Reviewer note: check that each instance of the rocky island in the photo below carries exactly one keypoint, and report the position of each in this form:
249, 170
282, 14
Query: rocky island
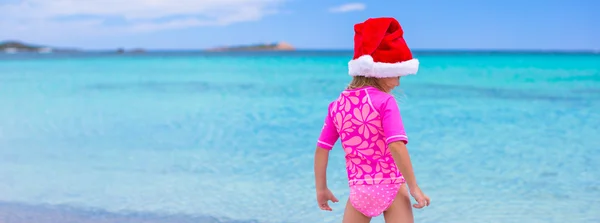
20, 47
279, 46
14, 46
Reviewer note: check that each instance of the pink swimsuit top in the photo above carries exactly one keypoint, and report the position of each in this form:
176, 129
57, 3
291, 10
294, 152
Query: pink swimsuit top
366, 120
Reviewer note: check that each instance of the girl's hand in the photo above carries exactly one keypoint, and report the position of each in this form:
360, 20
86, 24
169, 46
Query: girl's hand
420, 197
323, 197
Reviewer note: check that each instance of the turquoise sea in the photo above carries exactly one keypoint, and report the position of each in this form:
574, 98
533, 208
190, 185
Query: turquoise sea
230, 137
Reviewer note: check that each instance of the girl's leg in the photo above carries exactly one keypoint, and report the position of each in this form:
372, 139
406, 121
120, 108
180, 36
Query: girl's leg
351, 215
400, 211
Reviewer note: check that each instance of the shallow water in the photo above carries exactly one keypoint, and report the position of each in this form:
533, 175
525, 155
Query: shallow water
493, 137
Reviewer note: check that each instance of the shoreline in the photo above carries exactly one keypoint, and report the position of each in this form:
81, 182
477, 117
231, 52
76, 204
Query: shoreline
11, 212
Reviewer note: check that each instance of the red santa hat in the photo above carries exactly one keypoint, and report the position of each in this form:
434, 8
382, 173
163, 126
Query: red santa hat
380, 50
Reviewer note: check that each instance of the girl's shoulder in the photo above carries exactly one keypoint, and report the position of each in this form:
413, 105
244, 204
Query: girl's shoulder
380, 99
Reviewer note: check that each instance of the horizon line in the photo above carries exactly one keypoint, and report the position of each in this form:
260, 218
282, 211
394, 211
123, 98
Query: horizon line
416, 49
347, 50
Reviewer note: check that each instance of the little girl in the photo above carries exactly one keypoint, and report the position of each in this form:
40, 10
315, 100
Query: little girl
367, 120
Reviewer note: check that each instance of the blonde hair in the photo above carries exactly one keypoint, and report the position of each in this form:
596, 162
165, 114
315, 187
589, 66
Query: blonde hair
361, 81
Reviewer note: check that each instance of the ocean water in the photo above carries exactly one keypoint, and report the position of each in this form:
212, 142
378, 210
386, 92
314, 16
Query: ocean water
230, 137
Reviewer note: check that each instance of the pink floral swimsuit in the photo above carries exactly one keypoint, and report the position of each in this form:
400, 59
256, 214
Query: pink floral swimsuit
366, 120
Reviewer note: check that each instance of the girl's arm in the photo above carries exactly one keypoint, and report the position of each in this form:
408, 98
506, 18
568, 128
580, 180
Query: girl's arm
325, 143
321, 159
396, 139
324, 195
329, 135
402, 160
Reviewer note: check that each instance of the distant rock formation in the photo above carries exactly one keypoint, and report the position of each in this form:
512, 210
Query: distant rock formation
15, 47
279, 46
135, 50
138, 50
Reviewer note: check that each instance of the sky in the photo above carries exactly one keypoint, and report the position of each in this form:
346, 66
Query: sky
306, 24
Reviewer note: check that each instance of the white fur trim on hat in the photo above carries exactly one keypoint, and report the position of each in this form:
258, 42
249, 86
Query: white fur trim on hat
365, 66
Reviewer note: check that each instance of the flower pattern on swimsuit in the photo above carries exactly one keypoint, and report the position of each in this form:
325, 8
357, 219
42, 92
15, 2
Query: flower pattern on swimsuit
358, 123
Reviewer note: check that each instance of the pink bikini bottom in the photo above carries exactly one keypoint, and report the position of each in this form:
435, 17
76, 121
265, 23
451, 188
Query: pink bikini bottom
372, 200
